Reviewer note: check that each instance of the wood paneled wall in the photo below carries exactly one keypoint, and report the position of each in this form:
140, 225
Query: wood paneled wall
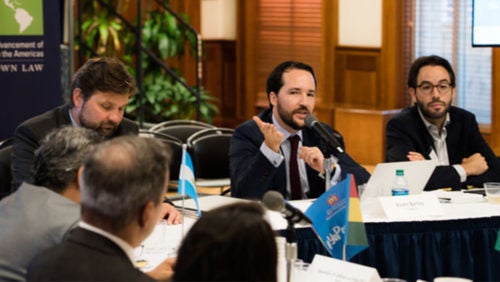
357, 86
361, 130
357, 77
219, 78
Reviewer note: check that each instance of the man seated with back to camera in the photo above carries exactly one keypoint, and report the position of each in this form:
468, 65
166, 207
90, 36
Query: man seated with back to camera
123, 184
237, 239
434, 129
50, 207
260, 148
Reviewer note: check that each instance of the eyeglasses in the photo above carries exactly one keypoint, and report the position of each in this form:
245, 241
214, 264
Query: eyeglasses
427, 88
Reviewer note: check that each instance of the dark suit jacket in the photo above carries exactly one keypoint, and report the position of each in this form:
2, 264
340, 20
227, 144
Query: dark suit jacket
30, 133
252, 174
84, 256
406, 132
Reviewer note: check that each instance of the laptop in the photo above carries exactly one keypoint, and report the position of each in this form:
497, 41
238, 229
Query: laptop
417, 173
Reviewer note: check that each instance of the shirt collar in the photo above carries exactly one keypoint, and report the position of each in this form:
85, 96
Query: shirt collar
129, 250
429, 125
73, 122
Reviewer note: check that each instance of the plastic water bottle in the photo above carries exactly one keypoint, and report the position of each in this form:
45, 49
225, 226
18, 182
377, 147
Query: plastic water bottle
400, 185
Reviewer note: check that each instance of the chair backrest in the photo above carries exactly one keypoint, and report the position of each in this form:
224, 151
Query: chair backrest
6, 142
180, 128
5, 170
176, 147
177, 122
210, 152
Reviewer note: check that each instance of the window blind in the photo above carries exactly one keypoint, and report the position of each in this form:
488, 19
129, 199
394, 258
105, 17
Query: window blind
443, 27
287, 30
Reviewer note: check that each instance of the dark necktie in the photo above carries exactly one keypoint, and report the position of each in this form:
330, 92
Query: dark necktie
294, 168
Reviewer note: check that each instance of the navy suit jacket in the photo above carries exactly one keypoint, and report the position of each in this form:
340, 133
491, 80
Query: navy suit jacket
31, 132
252, 174
84, 256
407, 132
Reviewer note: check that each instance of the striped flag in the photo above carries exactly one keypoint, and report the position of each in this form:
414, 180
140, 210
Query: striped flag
187, 184
337, 220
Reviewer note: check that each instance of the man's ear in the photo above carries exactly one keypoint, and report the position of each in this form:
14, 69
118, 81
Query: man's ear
147, 214
77, 97
413, 95
78, 179
273, 98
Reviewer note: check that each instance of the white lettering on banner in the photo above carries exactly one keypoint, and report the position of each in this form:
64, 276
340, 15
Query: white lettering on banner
335, 236
14, 56
32, 67
8, 68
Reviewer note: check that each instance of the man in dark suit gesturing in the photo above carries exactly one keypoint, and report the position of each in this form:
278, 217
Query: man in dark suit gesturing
99, 92
261, 155
434, 129
123, 183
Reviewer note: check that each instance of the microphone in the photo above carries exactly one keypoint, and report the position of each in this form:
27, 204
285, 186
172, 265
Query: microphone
274, 201
328, 137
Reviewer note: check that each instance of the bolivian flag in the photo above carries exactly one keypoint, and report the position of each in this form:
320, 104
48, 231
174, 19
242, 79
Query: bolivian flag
337, 220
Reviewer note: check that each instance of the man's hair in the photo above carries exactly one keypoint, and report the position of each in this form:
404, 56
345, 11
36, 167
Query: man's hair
62, 153
236, 238
431, 60
104, 74
275, 78
121, 177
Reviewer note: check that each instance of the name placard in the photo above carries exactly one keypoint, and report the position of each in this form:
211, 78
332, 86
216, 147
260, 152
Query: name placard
411, 206
328, 269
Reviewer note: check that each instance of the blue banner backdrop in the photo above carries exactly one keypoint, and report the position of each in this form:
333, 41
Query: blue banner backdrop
30, 60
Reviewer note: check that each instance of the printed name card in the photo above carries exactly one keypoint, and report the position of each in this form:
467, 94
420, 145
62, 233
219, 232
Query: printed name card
327, 269
411, 207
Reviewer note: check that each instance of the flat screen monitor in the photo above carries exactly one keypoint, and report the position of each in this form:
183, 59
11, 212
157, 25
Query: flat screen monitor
485, 23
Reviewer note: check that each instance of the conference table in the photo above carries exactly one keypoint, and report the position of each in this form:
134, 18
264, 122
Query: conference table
458, 243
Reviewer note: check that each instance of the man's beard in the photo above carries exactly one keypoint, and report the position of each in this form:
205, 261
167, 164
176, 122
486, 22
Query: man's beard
426, 112
102, 128
287, 118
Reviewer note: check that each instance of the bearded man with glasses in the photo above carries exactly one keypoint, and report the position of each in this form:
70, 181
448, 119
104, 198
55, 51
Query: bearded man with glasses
435, 129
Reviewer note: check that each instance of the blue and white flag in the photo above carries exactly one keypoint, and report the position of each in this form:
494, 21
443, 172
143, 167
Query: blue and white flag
187, 184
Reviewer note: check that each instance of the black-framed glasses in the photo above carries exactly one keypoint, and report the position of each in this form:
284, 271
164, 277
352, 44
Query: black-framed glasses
426, 88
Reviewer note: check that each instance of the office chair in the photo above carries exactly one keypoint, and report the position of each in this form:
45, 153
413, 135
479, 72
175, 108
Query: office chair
181, 129
176, 147
209, 150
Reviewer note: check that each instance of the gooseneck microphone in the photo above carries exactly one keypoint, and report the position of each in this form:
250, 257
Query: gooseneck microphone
327, 136
274, 201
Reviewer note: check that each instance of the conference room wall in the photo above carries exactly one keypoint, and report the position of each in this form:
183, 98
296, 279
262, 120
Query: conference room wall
352, 78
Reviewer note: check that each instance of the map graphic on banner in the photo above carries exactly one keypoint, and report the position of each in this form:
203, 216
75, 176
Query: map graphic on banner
21, 17
30, 60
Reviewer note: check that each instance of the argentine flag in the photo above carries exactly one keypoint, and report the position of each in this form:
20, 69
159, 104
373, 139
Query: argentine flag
187, 184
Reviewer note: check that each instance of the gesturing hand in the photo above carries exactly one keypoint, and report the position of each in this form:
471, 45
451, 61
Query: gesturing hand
272, 136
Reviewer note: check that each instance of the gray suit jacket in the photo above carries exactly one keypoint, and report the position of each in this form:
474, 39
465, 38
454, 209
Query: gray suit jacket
84, 256
32, 220
30, 133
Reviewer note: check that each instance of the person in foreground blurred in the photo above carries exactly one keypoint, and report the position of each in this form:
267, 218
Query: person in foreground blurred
229, 243
261, 157
122, 187
434, 129
99, 92
38, 216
